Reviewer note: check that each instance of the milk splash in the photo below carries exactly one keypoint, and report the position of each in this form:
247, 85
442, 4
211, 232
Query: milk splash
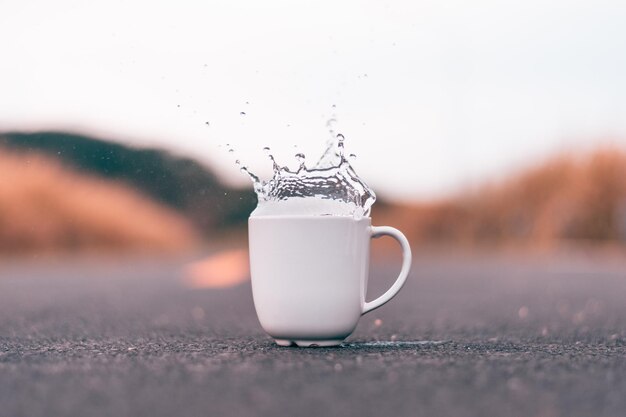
330, 187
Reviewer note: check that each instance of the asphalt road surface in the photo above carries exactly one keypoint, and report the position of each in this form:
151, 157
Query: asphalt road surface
481, 335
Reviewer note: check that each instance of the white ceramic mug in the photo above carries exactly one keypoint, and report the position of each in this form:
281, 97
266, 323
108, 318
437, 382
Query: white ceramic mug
309, 275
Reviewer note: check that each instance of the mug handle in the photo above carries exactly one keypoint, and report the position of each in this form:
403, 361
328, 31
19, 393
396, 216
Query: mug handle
377, 232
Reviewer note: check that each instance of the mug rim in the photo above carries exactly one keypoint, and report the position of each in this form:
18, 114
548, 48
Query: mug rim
310, 216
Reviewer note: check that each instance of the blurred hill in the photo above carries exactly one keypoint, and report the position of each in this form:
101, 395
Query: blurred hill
66, 191
573, 198
46, 207
180, 183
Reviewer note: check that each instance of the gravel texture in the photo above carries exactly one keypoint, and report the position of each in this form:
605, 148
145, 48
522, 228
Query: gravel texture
480, 335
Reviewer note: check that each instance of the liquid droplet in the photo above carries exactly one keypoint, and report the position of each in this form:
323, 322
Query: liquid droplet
271, 157
207, 123
330, 124
340, 140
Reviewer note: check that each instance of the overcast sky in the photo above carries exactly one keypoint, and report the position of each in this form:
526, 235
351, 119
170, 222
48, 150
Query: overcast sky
431, 95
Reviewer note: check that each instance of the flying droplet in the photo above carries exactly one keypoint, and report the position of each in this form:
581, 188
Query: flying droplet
231, 150
266, 149
340, 140
300, 157
334, 106
352, 156
242, 113
237, 161
207, 123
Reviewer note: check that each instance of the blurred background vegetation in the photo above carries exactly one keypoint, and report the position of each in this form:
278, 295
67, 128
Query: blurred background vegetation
63, 192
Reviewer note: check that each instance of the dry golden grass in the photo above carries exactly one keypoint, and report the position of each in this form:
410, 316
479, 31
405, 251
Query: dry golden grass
570, 198
45, 207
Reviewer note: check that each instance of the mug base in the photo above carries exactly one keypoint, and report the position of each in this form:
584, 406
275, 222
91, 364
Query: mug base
309, 343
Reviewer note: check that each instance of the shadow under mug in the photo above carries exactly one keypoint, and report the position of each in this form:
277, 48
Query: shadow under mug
309, 275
